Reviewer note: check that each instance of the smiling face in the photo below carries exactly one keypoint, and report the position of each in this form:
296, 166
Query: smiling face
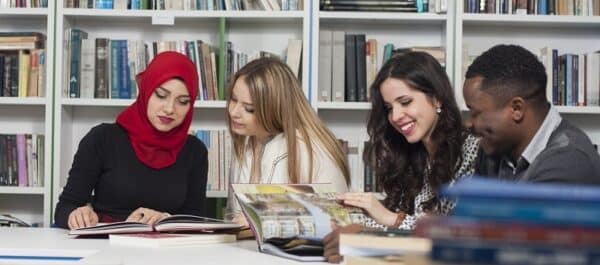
487, 120
411, 112
241, 112
168, 105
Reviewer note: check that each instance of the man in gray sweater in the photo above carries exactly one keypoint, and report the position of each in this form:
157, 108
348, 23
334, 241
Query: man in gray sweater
523, 137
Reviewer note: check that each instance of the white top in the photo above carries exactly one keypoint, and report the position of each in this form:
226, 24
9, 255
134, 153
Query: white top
274, 164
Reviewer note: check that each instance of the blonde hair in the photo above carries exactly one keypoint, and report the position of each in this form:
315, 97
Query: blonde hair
281, 107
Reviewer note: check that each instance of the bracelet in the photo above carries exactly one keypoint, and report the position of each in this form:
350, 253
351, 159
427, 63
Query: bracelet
399, 219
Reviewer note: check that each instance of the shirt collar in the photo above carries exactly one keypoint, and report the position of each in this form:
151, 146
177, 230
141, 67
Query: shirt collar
541, 137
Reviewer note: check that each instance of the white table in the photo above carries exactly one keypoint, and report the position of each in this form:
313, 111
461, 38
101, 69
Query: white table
99, 251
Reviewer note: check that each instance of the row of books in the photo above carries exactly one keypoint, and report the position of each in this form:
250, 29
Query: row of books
361, 62
219, 145
23, 3
419, 6
268, 5
497, 222
105, 68
22, 64
573, 79
537, 7
22, 73
22, 160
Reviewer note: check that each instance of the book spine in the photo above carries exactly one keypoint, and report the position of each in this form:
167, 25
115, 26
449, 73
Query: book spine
3, 162
101, 69
114, 68
540, 212
325, 58
124, 88
555, 82
22, 160
456, 228
361, 68
338, 82
350, 92
480, 253
77, 36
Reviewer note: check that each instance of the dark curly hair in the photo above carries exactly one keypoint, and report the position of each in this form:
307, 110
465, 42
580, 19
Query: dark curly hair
400, 166
510, 71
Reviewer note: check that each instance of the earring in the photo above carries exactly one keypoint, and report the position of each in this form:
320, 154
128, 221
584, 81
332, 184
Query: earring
438, 110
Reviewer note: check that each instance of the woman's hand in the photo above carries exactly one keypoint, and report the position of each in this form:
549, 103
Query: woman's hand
83, 216
146, 216
331, 242
240, 220
368, 202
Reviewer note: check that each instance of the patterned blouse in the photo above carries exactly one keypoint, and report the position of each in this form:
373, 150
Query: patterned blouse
469, 155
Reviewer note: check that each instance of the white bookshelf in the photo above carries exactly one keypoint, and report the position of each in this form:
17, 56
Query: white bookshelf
249, 31
574, 34
348, 120
30, 115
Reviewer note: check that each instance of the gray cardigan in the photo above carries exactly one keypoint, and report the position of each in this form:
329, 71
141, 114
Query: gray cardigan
568, 157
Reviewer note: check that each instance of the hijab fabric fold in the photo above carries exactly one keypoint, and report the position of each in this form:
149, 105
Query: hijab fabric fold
154, 148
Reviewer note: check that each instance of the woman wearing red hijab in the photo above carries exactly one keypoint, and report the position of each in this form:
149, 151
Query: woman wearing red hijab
145, 166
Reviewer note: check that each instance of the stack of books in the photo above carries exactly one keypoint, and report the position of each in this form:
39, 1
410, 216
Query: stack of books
498, 222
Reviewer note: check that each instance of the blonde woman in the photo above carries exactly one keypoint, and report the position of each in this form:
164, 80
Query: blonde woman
277, 137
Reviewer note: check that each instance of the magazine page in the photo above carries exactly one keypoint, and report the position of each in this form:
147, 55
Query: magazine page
286, 211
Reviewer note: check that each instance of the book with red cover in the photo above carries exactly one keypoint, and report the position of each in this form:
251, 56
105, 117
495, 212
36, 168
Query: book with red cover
457, 228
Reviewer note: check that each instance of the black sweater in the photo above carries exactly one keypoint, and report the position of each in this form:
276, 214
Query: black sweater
106, 164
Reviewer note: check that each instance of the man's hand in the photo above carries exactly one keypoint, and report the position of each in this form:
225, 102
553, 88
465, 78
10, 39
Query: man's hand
331, 242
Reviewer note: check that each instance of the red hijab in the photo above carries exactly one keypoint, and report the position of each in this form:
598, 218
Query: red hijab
154, 148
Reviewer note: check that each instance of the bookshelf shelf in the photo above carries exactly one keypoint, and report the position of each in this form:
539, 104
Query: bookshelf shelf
344, 106
146, 15
531, 20
22, 101
97, 102
29, 12
382, 17
22, 190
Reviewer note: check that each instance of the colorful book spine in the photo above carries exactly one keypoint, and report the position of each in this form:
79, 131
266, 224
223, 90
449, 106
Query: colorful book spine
530, 211
22, 160
453, 251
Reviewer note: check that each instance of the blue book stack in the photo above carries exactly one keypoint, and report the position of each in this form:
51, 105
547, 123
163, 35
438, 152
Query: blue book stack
535, 210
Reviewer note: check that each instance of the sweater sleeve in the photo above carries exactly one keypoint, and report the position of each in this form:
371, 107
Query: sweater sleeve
196, 193
84, 173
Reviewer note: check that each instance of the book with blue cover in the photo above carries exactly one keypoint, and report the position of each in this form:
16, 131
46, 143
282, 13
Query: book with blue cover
478, 187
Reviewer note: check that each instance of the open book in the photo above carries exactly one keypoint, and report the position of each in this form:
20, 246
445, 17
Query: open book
291, 220
173, 223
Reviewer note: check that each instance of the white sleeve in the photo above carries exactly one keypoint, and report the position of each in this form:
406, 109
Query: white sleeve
325, 170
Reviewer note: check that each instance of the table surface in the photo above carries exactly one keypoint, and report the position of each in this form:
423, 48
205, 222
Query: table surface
37, 241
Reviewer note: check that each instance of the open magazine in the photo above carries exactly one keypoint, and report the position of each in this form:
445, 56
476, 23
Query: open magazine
291, 220
173, 223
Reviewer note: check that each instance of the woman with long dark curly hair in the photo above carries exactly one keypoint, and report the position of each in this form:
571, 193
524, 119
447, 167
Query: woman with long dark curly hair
417, 144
